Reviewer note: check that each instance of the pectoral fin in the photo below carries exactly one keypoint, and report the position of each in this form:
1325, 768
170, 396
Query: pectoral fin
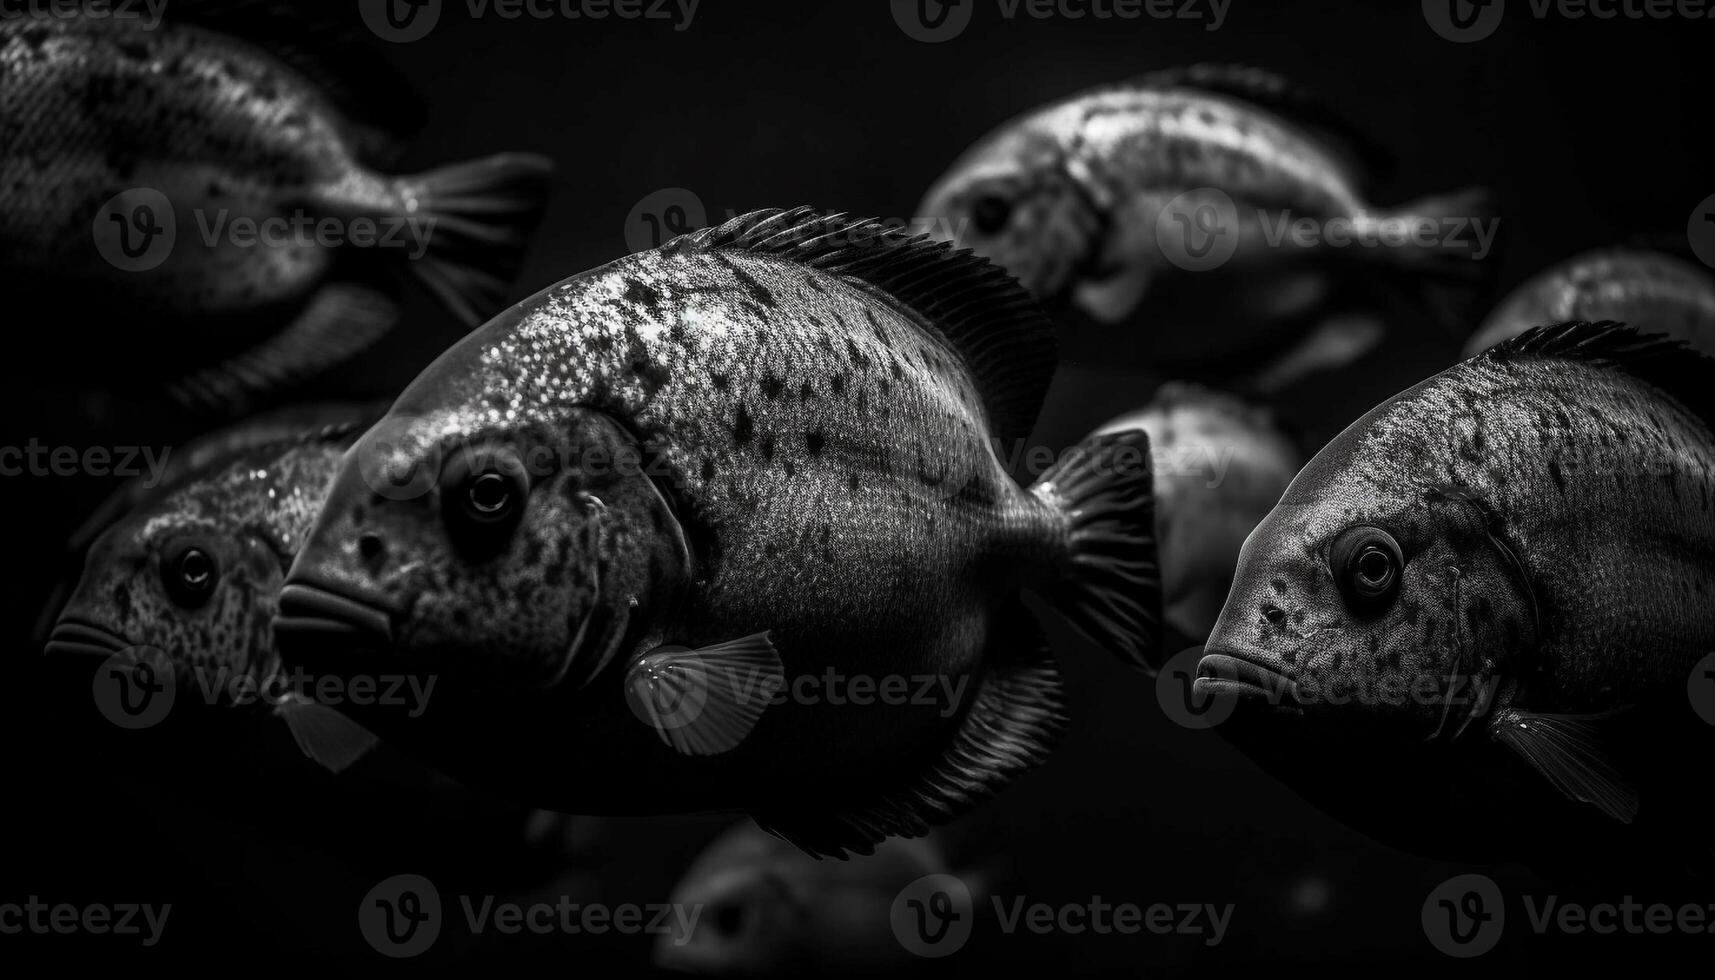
1111, 300
325, 735
704, 702
1568, 750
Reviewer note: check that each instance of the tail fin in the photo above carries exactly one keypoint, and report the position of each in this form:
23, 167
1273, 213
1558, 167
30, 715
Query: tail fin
1110, 586
482, 214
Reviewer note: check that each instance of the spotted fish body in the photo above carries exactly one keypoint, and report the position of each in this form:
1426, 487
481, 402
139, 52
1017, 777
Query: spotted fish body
1653, 292
817, 427
247, 508
1072, 198
186, 130
1529, 534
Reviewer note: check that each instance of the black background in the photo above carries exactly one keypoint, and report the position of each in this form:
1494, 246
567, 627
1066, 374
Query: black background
1585, 129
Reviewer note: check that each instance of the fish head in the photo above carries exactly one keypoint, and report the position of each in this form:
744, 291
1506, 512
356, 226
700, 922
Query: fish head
1373, 593
752, 919
511, 549
1013, 200
191, 580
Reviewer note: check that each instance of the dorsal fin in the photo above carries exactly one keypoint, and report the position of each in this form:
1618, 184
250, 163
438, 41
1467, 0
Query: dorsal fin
1671, 365
1006, 341
327, 44
1298, 103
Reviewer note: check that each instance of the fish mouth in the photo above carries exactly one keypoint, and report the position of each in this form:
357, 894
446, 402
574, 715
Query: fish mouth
80, 637
1245, 677
326, 610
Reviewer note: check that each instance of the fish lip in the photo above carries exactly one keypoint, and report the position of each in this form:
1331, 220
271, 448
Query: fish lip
1235, 673
321, 608
80, 637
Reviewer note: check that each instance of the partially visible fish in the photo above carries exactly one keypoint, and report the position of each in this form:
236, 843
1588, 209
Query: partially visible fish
763, 452
189, 571
1650, 291
1081, 199
1220, 466
198, 126
767, 909
1503, 573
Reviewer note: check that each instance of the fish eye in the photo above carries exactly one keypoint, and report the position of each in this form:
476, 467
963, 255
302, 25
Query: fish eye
484, 494
190, 575
990, 213
1367, 564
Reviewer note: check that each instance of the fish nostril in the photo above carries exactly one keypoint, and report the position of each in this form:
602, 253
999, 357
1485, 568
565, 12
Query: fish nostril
371, 548
1273, 613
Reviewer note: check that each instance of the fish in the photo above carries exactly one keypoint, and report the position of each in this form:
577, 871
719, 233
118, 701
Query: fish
1646, 289
1499, 576
172, 144
1080, 199
766, 909
187, 572
1221, 464
702, 487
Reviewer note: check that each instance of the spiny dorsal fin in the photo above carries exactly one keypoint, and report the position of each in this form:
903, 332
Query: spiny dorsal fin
1006, 341
1277, 93
1671, 365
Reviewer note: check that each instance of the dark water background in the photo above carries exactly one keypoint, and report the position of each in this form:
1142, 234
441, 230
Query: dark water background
1585, 129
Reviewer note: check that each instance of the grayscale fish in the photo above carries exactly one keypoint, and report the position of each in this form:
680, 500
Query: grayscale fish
700, 487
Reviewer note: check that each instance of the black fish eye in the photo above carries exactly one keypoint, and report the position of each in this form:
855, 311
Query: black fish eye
1367, 564
190, 576
489, 496
990, 213
484, 493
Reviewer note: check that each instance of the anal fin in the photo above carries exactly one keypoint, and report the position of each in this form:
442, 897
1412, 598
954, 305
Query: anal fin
1011, 727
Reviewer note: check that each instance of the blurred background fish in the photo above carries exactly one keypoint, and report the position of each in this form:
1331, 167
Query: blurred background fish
1221, 465
1099, 202
767, 909
215, 187
1652, 291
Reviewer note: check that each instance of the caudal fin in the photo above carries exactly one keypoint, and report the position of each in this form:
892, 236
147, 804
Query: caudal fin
1110, 583
478, 220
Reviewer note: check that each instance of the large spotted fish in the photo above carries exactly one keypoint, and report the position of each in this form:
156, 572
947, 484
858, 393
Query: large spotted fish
1096, 201
184, 576
207, 187
757, 459
1650, 291
1507, 569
